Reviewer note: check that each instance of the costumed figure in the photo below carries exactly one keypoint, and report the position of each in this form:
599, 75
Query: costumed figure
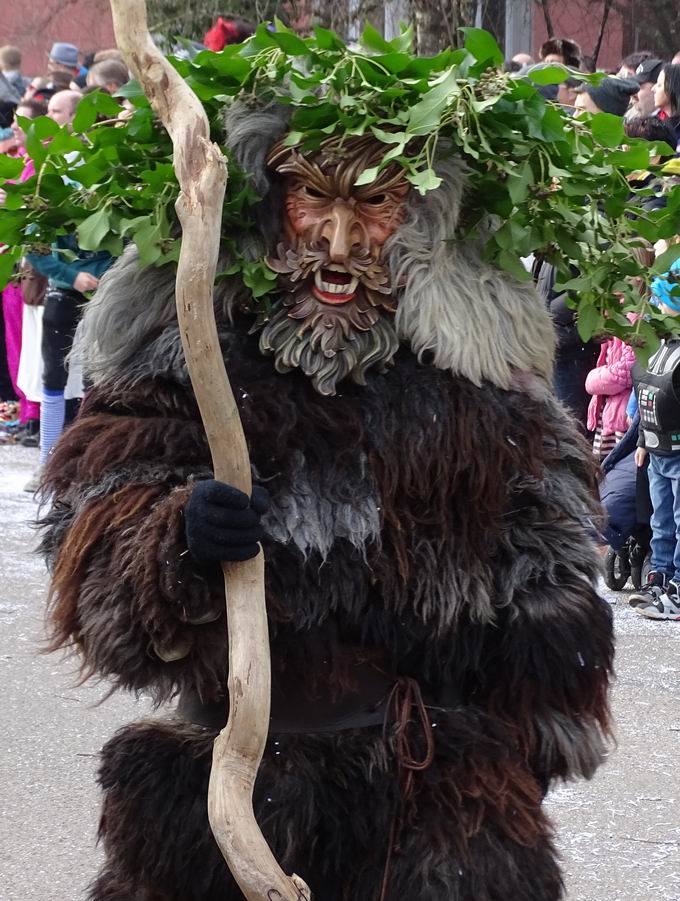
424, 505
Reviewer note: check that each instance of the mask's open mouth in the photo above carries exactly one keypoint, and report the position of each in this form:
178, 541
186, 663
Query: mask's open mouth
333, 284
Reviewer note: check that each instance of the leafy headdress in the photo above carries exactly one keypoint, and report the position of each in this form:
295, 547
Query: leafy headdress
537, 180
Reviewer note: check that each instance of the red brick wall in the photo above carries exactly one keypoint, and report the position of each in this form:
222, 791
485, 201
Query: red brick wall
34, 25
580, 21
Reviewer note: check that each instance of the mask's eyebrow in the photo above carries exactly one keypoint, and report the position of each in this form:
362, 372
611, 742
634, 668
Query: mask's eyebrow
305, 172
388, 182
321, 183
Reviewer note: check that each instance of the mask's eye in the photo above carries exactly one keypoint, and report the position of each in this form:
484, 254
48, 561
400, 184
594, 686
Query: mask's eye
313, 193
376, 199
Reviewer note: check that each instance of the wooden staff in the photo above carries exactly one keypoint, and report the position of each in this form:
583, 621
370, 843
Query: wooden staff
202, 175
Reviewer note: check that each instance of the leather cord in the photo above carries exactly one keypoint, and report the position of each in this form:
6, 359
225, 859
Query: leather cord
404, 699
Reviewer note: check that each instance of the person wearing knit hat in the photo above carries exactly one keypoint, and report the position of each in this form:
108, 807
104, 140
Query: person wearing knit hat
611, 95
63, 58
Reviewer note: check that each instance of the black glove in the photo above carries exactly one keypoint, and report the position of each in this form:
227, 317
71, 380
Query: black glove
222, 524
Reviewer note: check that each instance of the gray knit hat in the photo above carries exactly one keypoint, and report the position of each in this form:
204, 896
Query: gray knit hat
64, 54
612, 95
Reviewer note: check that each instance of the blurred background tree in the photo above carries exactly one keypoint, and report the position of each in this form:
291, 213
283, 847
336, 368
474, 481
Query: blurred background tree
192, 20
436, 22
650, 26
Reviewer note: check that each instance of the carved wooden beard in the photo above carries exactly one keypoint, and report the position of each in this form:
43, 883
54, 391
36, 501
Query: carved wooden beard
335, 321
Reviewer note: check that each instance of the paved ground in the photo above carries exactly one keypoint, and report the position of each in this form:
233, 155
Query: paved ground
619, 835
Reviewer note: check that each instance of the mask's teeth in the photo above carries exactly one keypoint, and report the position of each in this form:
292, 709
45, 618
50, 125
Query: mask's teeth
347, 289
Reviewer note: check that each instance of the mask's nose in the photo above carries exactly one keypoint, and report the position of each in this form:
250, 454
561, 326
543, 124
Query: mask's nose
344, 232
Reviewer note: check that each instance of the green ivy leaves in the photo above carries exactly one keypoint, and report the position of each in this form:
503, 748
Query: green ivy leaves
483, 46
92, 231
10, 167
553, 185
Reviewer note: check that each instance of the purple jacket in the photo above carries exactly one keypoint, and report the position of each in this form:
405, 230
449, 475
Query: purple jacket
610, 383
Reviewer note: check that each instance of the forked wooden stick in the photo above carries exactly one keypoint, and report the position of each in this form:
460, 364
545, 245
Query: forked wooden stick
202, 174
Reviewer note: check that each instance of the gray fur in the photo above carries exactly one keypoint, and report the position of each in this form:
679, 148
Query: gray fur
313, 521
143, 473
446, 588
132, 304
162, 357
250, 135
153, 348
578, 742
476, 321
80, 495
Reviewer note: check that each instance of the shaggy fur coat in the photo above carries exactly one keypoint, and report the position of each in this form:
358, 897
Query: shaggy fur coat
431, 528
439, 523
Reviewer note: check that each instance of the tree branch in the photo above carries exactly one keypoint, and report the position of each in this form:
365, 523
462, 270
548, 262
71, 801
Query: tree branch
546, 15
202, 175
600, 36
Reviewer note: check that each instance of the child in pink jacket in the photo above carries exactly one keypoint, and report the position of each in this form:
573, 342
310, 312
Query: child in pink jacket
609, 383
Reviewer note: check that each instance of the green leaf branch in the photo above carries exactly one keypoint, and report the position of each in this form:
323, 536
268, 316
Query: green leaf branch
539, 181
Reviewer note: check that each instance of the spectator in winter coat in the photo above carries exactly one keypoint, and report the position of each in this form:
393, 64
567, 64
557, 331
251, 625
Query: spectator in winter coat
10, 66
667, 97
13, 310
227, 30
561, 51
8, 101
69, 279
574, 358
563, 93
658, 444
518, 62
630, 65
652, 129
618, 489
71, 275
63, 59
609, 383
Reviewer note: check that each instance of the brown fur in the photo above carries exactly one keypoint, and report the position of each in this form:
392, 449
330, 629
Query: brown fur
103, 441
473, 577
475, 813
103, 516
468, 458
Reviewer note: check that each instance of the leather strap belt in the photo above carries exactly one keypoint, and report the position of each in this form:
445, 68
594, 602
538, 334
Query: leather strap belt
294, 711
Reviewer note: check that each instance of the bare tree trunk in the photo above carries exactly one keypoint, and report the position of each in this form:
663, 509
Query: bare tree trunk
628, 19
202, 175
436, 23
544, 4
600, 36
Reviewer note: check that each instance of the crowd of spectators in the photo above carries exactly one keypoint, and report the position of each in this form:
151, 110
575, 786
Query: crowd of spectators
600, 382
42, 305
